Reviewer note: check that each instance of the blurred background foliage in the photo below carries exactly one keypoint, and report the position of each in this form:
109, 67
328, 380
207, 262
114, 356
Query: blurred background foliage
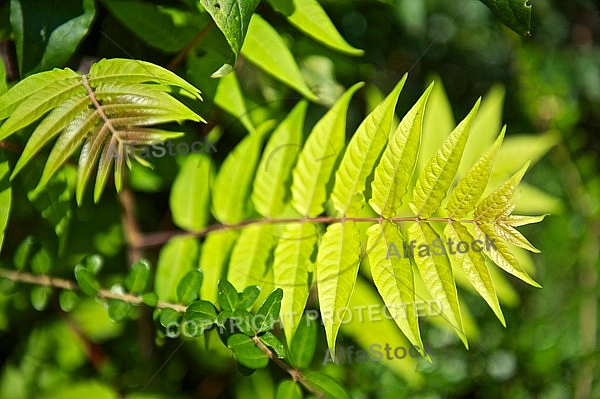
550, 82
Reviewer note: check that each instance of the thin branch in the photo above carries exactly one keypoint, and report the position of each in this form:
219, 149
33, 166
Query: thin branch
54, 282
174, 63
159, 238
10, 147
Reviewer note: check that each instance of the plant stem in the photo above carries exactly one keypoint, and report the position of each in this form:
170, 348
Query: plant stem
47, 281
159, 238
174, 63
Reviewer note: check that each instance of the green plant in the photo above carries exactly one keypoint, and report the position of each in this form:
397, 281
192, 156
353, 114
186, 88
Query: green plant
279, 211
250, 197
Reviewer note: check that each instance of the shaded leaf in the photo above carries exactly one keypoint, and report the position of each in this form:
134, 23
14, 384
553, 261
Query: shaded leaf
168, 316
232, 17
150, 299
248, 296
175, 260
149, 22
47, 36
309, 17
516, 14
68, 300
202, 313
118, 310
362, 152
230, 98
40, 296
86, 280
304, 342
265, 48
190, 193
326, 385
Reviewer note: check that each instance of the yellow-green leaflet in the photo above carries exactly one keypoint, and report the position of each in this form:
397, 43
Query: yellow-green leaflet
233, 182
362, 152
318, 158
398, 161
213, 261
502, 256
512, 235
264, 47
475, 268
337, 266
271, 185
175, 259
291, 267
437, 275
5, 199
436, 178
496, 204
487, 123
471, 187
394, 279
